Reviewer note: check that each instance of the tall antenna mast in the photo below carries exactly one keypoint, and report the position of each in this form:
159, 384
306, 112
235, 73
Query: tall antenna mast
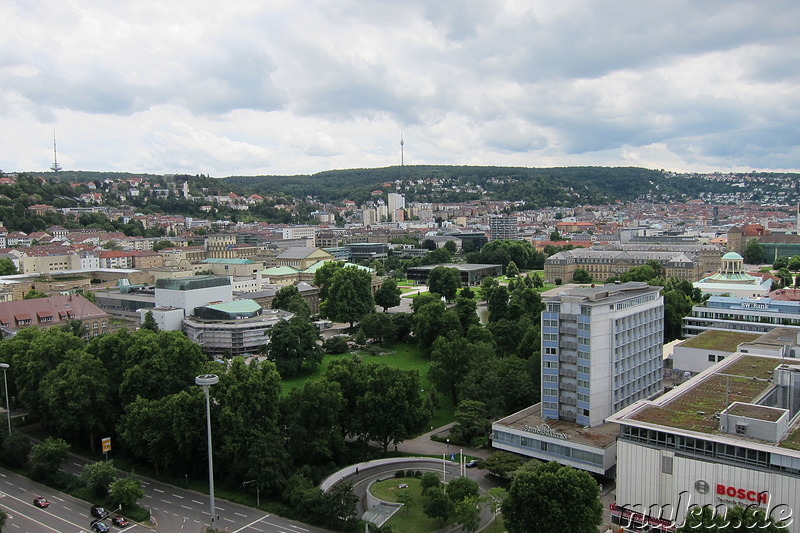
55, 167
401, 149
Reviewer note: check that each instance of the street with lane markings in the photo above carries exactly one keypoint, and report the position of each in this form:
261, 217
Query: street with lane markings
175, 510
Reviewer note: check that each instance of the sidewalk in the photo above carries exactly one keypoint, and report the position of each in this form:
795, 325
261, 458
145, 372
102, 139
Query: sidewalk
423, 445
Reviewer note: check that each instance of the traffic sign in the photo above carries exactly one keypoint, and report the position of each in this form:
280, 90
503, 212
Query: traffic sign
106, 444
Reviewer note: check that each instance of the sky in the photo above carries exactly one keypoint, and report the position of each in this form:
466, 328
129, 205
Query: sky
281, 87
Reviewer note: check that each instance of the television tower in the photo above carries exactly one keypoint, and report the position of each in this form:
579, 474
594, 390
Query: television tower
401, 149
55, 167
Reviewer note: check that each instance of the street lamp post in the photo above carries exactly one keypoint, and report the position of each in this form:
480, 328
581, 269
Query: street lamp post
258, 498
4, 366
205, 381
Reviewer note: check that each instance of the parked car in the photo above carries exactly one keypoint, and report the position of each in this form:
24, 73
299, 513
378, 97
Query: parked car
119, 521
473, 463
97, 511
99, 527
41, 502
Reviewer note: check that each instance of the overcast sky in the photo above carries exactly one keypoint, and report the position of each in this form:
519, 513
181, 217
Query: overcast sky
246, 87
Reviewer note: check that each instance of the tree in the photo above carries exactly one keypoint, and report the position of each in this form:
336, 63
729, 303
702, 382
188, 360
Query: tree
349, 296
7, 267
33, 294
98, 476
462, 488
378, 326
733, 520
428, 481
437, 505
581, 276
406, 499
502, 464
388, 295
437, 257
324, 276
47, 457
289, 299
468, 513
150, 322
16, 448
512, 271
471, 420
158, 364
126, 491
497, 303
553, 497
335, 345
433, 320
77, 396
445, 282
292, 344
311, 416
753, 252
450, 363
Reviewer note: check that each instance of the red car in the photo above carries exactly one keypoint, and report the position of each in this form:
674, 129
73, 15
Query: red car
41, 502
119, 521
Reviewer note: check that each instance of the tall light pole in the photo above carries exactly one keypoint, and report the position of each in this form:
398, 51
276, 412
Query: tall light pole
205, 381
4, 366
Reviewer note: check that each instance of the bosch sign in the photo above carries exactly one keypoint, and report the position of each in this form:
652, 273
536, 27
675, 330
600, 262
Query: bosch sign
743, 494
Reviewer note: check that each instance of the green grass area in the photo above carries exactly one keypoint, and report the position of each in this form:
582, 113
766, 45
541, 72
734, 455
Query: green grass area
406, 290
726, 341
397, 355
408, 519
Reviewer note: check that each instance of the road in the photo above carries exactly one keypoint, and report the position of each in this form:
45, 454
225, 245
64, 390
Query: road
65, 514
176, 510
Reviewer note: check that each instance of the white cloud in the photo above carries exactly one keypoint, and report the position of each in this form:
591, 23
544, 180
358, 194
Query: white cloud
284, 87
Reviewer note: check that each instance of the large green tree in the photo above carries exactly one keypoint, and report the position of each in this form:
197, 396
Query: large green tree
388, 295
77, 395
754, 252
289, 299
378, 326
553, 498
445, 282
47, 457
311, 418
293, 344
349, 296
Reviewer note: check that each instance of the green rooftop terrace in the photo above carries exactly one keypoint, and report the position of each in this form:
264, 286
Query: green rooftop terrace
694, 409
724, 341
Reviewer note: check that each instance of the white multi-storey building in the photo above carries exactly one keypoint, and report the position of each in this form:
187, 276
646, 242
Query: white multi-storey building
601, 351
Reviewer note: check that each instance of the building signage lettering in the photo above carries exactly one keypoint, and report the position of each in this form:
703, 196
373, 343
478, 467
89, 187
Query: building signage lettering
546, 431
755, 305
743, 494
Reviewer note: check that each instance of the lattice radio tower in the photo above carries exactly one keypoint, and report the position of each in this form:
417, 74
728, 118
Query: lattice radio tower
55, 167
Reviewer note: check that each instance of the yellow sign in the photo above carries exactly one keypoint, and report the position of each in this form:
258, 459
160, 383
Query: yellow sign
106, 444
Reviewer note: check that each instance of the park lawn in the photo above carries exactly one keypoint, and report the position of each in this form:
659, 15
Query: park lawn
496, 527
411, 519
406, 290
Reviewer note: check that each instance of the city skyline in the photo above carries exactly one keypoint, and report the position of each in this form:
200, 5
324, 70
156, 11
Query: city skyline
283, 88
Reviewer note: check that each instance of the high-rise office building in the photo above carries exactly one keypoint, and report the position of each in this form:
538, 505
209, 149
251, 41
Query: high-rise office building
502, 227
601, 350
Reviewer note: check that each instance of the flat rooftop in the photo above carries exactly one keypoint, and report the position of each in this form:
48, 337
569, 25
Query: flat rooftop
723, 341
692, 406
598, 436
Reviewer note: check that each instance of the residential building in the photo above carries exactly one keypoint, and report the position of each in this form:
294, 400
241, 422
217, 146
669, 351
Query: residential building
502, 227
50, 312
